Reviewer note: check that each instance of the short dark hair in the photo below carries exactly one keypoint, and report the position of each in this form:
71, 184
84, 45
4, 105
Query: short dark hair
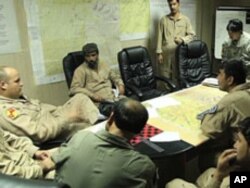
130, 115
235, 25
235, 68
89, 48
244, 128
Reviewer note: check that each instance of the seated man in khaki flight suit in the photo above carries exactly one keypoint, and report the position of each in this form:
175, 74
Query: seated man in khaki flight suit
39, 121
94, 78
219, 122
233, 159
19, 157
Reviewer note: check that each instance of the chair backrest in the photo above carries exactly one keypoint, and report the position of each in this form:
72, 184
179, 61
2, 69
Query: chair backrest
136, 67
70, 63
193, 63
7, 181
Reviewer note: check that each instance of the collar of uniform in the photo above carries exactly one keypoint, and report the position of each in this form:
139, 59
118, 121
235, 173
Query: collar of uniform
244, 39
171, 17
22, 99
244, 86
119, 141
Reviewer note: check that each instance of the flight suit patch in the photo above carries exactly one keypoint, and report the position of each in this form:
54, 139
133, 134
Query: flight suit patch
209, 111
12, 113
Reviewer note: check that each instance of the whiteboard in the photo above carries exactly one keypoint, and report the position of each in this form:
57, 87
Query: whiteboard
223, 15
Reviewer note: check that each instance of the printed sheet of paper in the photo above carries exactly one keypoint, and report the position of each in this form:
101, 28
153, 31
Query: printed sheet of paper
9, 33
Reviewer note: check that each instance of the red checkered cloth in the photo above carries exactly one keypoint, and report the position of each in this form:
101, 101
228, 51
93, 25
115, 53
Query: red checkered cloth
147, 132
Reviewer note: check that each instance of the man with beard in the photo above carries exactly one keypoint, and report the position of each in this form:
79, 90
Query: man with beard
94, 78
173, 29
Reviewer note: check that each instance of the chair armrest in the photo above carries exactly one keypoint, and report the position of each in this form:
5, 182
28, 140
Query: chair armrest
134, 90
171, 85
184, 84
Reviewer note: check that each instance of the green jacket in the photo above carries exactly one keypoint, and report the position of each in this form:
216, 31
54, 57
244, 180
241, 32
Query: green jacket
97, 160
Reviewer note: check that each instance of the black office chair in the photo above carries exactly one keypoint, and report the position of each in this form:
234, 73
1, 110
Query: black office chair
193, 63
7, 181
70, 63
137, 74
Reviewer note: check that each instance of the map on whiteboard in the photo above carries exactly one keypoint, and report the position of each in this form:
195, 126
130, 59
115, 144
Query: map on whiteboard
64, 28
135, 18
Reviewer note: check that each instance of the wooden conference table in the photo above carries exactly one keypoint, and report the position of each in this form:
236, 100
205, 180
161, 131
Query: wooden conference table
176, 112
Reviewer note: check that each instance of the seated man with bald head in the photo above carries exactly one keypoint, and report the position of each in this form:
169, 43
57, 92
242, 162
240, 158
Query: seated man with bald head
106, 158
39, 121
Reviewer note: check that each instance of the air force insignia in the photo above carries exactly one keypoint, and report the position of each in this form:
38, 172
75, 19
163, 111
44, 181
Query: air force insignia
209, 111
12, 113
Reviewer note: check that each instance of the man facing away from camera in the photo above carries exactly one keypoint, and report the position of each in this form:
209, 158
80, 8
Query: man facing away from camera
105, 158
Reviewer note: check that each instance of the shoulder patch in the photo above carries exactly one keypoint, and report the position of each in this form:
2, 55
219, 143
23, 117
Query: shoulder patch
12, 113
212, 110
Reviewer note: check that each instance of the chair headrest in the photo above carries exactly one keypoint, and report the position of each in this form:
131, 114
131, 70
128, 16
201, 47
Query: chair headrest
70, 63
77, 57
195, 49
135, 54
